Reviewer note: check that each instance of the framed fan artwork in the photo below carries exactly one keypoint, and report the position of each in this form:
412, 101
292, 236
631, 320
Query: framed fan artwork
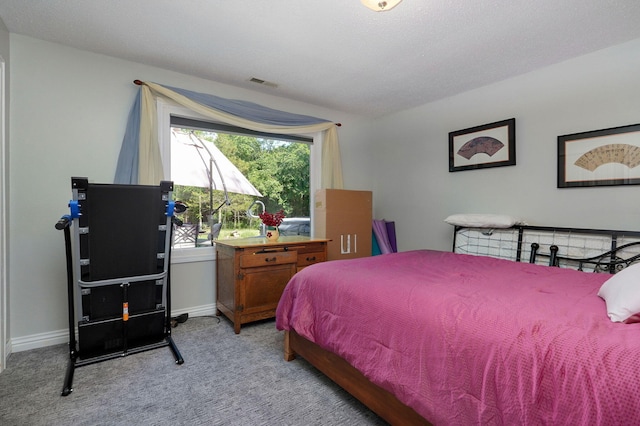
489, 145
605, 157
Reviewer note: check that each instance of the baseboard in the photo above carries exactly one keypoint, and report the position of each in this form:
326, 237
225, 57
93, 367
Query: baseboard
7, 352
39, 340
58, 337
196, 311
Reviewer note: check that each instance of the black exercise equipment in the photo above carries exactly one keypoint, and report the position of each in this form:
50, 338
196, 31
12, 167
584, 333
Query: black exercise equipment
118, 271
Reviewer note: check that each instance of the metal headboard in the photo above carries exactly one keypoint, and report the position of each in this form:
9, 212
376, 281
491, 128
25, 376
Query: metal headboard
593, 250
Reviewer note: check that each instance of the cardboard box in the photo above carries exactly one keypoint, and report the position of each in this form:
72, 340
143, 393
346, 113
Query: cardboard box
344, 217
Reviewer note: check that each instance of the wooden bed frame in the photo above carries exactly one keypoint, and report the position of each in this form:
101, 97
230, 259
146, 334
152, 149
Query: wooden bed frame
385, 404
353, 381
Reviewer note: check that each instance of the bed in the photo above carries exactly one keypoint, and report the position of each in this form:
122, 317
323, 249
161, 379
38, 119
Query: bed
479, 336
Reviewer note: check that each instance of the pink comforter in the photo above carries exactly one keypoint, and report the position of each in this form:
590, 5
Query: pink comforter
473, 340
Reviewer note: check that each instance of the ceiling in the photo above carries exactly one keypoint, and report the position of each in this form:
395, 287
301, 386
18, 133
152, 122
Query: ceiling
335, 53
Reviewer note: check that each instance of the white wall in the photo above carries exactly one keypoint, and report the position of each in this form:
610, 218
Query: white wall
68, 119
414, 187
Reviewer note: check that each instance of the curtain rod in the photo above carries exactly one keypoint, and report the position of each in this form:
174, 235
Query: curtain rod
140, 83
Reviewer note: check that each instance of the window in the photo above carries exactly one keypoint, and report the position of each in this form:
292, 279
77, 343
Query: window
279, 167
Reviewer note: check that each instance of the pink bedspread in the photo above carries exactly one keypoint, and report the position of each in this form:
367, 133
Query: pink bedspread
473, 340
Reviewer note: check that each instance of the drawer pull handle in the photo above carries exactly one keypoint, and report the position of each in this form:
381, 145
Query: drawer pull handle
311, 259
272, 259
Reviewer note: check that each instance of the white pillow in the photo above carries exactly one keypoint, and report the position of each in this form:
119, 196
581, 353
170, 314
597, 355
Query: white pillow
483, 220
621, 293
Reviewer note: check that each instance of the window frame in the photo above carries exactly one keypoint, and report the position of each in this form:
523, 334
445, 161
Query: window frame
166, 110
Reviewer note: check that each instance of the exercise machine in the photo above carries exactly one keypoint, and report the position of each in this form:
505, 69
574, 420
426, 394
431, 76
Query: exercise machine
118, 271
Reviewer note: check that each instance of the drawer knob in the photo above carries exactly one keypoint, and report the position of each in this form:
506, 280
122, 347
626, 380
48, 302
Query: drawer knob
311, 259
270, 259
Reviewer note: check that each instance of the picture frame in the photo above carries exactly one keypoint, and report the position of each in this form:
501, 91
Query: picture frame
480, 147
607, 157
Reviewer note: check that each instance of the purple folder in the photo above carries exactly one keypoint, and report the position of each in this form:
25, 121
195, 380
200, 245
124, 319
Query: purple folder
380, 231
391, 233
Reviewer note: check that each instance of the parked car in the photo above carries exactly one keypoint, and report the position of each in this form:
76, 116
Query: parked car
295, 226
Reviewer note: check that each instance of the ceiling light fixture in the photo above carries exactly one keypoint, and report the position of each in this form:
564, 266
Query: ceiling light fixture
380, 5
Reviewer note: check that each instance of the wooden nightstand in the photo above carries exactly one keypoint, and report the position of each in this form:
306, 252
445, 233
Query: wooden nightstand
251, 274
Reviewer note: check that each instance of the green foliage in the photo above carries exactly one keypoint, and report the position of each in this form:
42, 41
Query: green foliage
278, 169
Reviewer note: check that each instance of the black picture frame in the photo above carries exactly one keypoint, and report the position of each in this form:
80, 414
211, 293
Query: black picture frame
607, 157
481, 147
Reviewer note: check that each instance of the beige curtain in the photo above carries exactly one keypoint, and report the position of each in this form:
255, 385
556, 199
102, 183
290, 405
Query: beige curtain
150, 161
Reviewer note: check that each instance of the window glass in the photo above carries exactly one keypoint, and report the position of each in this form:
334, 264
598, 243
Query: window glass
258, 171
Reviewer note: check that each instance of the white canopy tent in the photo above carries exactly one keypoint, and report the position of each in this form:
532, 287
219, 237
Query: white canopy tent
195, 162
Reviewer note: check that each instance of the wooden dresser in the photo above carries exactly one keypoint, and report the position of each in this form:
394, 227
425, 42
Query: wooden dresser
251, 274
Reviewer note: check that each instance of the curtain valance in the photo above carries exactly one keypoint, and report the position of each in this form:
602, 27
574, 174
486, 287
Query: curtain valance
140, 160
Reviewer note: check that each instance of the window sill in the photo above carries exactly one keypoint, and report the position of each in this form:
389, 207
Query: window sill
189, 255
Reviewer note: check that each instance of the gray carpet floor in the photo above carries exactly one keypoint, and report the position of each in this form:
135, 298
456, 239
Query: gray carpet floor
227, 379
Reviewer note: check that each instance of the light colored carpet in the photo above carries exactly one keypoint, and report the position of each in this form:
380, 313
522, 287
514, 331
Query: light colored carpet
227, 379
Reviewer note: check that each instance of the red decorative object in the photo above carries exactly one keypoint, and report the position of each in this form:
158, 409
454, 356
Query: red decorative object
272, 219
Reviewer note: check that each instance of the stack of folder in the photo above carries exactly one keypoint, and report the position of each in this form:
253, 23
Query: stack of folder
383, 237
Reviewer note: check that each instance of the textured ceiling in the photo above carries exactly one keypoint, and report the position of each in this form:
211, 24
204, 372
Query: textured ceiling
335, 53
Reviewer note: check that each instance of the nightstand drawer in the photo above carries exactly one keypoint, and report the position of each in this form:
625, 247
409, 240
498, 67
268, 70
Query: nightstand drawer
306, 259
255, 260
